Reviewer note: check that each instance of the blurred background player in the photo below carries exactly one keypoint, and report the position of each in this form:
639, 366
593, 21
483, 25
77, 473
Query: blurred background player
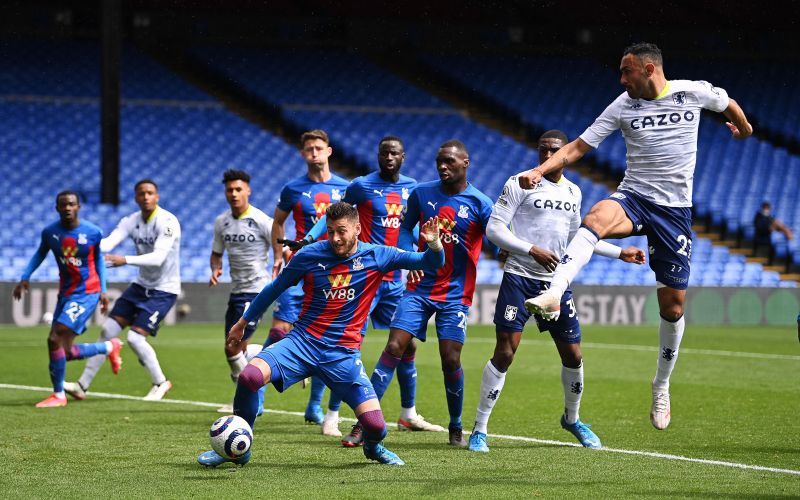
659, 120
535, 227
381, 199
244, 231
764, 223
463, 213
156, 234
306, 198
340, 277
76, 247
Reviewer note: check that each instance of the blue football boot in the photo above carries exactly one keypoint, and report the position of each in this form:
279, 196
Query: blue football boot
477, 442
213, 459
584, 434
314, 414
379, 453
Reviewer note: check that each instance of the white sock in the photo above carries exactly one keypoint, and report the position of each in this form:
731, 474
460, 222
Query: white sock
61, 394
572, 380
669, 336
253, 350
332, 415
147, 356
491, 385
237, 362
408, 413
111, 329
577, 255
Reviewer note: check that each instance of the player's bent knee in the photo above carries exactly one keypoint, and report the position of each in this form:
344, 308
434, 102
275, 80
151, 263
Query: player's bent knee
672, 313
252, 378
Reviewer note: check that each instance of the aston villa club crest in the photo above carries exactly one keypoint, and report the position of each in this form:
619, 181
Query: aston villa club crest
357, 264
511, 313
679, 98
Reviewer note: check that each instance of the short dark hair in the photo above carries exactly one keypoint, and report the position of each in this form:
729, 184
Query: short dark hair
342, 210
644, 50
766, 204
314, 134
67, 193
390, 138
455, 143
145, 181
235, 175
555, 134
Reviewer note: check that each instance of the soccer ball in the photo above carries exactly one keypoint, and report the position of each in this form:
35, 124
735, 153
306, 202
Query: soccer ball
231, 436
47, 318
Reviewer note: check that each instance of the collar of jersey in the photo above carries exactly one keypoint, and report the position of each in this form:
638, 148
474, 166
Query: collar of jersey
560, 181
664, 92
152, 216
245, 213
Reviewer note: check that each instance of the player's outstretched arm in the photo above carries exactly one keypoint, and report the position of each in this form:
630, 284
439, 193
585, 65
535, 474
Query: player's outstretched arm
738, 124
570, 153
431, 258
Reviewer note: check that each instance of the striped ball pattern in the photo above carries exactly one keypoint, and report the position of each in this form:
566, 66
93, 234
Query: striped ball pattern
231, 436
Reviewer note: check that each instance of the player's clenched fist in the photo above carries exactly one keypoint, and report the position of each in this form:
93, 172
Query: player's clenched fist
633, 255
530, 179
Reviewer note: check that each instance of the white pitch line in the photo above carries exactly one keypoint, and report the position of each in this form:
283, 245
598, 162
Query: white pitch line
649, 454
480, 340
645, 348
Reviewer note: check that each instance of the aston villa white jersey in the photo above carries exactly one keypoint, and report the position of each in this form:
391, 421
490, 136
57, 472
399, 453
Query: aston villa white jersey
547, 216
661, 138
248, 242
161, 231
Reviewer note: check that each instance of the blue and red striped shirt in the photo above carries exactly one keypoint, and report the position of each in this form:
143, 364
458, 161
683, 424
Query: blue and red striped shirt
338, 292
462, 223
307, 200
77, 252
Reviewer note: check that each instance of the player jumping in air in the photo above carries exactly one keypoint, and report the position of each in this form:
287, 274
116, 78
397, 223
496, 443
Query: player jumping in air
463, 213
156, 234
244, 232
659, 120
381, 199
339, 277
76, 247
306, 198
541, 221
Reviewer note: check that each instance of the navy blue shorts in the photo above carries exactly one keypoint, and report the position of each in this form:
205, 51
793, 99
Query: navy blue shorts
669, 236
413, 312
237, 305
289, 304
144, 307
384, 304
298, 356
510, 314
76, 310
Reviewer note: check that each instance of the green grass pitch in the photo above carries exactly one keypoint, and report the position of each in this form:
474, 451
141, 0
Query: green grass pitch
735, 399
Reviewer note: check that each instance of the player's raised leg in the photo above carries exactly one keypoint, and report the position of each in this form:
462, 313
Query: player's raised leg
111, 329
606, 219
670, 333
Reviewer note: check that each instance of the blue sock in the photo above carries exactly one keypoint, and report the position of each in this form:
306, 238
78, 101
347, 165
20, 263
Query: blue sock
454, 388
383, 373
407, 378
245, 403
317, 390
334, 402
58, 368
80, 351
261, 401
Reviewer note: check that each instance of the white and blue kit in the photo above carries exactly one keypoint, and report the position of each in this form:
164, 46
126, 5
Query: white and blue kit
656, 192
